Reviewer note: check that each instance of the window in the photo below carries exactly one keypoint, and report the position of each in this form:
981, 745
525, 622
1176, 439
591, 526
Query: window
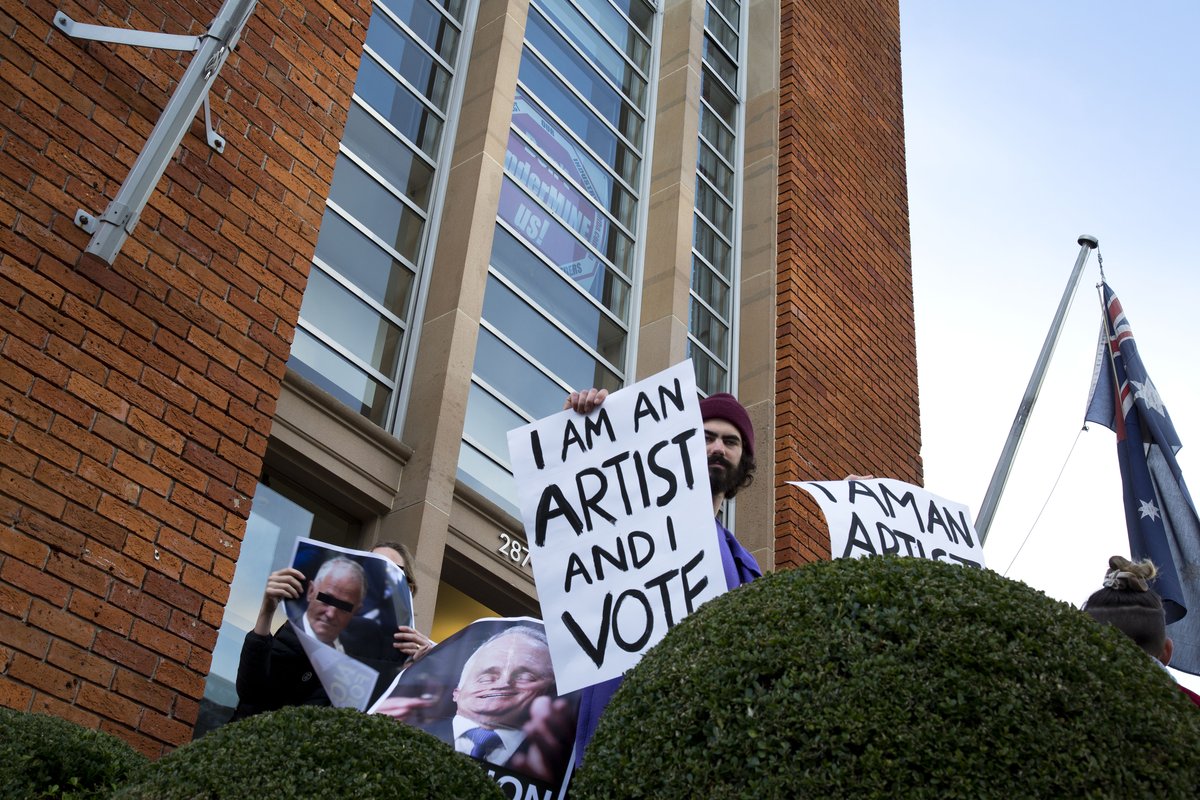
718, 180
354, 332
557, 308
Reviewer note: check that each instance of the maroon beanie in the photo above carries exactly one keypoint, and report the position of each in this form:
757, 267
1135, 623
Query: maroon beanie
723, 405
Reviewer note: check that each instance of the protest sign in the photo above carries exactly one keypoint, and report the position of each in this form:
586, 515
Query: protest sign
618, 511
882, 516
489, 677
351, 606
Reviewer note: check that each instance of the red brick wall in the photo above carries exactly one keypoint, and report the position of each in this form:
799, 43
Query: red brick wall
846, 380
136, 399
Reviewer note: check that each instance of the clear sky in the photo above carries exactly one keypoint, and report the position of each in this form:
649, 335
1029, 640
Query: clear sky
1028, 123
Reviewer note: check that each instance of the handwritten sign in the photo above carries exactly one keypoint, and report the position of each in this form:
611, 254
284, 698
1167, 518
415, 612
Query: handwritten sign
882, 516
618, 512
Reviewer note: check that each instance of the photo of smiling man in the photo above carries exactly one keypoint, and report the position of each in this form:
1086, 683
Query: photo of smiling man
489, 692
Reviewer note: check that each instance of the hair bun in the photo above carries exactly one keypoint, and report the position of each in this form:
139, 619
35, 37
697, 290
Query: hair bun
1129, 576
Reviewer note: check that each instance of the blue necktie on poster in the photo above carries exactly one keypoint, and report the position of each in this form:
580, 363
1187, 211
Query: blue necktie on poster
483, 741
1159, 513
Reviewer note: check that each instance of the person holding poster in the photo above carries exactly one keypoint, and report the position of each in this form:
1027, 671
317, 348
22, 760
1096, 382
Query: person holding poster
729, 448
274, 670
407, 640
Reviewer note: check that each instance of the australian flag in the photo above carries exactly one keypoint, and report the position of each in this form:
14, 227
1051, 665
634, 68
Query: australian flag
1159, 512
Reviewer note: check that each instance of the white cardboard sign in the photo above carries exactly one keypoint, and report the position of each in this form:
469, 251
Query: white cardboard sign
881, 516
618, 512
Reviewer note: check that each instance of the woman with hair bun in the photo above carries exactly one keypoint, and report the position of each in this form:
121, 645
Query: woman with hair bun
1127, 602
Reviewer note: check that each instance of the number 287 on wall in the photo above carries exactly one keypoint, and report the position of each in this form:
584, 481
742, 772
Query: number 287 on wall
514, 550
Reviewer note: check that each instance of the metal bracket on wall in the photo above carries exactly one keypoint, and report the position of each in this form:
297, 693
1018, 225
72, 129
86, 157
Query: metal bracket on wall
103, 33
110, 229
152, 39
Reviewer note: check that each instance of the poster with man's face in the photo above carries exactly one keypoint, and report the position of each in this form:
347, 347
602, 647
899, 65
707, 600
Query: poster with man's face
489, 691
346, 618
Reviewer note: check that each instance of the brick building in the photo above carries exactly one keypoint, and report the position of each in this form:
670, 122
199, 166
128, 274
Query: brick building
430, 219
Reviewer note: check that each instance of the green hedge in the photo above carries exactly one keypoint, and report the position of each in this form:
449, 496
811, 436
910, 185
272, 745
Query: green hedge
309, 752
44, 757
891, 677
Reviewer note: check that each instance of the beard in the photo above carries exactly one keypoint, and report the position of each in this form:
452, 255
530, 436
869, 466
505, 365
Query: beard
725, 478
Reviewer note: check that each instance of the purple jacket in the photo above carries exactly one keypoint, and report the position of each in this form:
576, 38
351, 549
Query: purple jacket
740, 568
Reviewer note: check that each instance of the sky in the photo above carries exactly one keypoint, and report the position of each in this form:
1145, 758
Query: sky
1028, 124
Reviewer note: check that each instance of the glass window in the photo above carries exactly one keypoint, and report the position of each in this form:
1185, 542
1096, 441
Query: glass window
606, 100
709, 287
395, 162
522, 383
708, 329
708, 243
549, 288
572, 207
557, 307
399, 106
429, 24
714, 237
489, 423
720, 100
714, 132
603, 55
543, 341
710, 376
487, 477
602, 139
731, 10
378, 273
382, 212
720, 63
560, 149
393, 44
546, 235
721, 30
453, 7
616, 25
374, 240
357, 327
345, 381
544, 230
714, 207
713, 167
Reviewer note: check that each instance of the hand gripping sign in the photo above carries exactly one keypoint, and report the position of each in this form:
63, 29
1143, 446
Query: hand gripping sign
881, 516
618, 512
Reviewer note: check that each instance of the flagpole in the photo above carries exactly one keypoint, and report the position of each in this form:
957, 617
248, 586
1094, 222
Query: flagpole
1000, 477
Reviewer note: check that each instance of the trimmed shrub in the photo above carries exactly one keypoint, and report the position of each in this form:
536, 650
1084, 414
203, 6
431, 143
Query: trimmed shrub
307, 751
893, 677
44, 757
